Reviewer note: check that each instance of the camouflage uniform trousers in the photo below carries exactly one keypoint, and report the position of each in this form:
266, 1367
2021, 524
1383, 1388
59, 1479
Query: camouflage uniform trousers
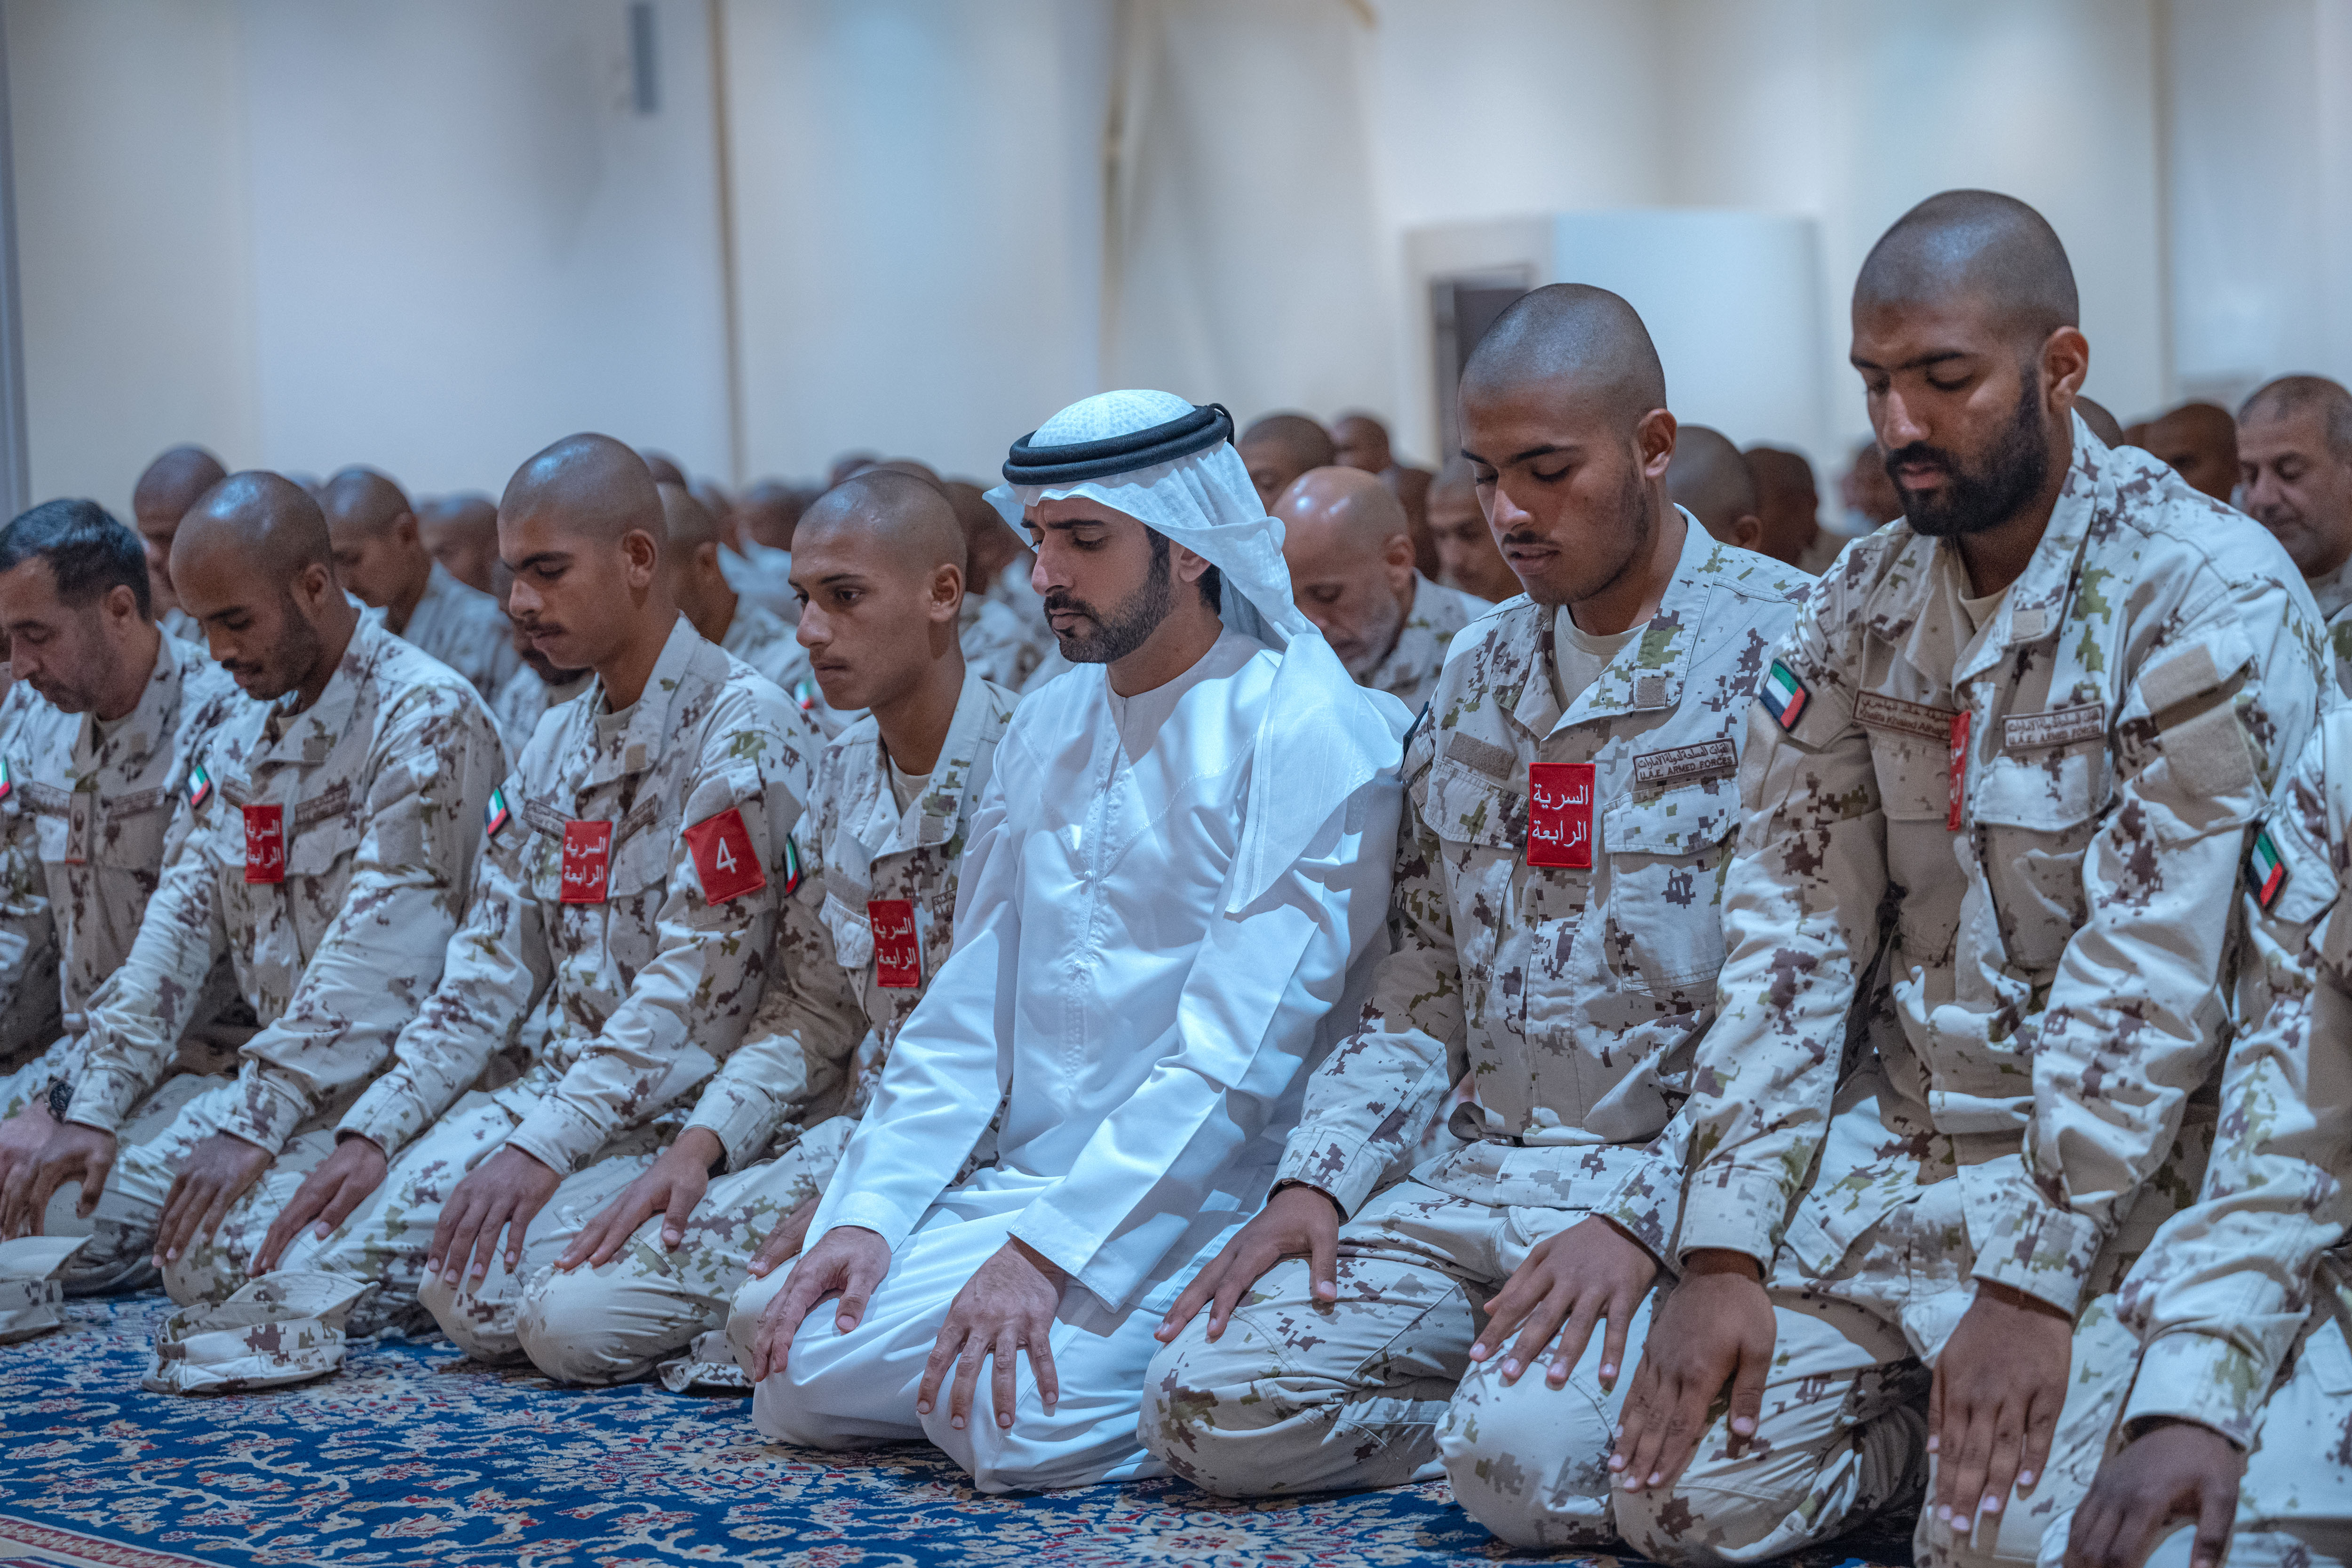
122, 1230
383, 1242
482, 1319
1843, 1436
1378, 1389
618, 1322
2295, 1507
148, 1119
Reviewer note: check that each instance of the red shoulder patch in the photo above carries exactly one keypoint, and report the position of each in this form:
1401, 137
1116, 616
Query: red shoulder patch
722, 847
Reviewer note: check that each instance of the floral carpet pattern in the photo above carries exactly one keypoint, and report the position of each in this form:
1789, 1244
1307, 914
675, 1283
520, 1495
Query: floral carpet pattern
415, 1455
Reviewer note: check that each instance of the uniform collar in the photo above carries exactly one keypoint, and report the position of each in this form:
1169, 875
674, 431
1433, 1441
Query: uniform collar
648, 731
931, 818
305, 739
1648, 672
159, 702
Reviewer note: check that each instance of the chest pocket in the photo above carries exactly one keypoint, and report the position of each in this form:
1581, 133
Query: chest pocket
1483, 823
1666, 853
1915, 775
323, 835
2035, 814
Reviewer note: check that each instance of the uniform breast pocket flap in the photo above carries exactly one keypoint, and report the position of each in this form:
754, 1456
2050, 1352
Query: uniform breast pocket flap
1693, 819
1468, 805
323, 833
2056, 791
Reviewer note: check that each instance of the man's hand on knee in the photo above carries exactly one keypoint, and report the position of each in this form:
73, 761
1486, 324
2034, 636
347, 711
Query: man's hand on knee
73, 1153
503, 1192
328, 1196
215, 1173
849, 1261
2177, 1471
783, 1243
1298, 1220
1006, 1307
1714, 1328
671, 1187
1589, 1273
23, 1137
1999, 1385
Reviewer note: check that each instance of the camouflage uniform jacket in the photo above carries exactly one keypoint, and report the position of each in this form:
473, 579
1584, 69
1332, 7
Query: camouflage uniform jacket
2042, 822
525, 700
2219, 1299
463, 628
330, 860
1409, 672
995, 643
655, 950
836, 993
2334, 593
92, 821
1570, 995
770, 644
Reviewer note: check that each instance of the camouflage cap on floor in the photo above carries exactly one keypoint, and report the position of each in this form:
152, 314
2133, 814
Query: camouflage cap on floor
31, 1296
281, 1328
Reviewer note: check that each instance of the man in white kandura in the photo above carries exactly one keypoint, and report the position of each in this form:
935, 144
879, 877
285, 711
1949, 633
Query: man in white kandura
1173, 891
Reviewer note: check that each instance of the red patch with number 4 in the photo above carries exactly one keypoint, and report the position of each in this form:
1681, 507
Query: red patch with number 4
898, 955
587, 856
722, 847
265, 842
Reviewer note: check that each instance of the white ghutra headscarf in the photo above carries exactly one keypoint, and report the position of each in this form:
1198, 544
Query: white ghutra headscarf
1323, 737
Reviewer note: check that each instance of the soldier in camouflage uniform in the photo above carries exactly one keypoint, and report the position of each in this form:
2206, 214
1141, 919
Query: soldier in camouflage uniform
1349, 550
167, 488
2295, 459
1978, 928
87, 815
996, 645
381, 559
2242, 1303
881, 560
1571, 797
626, 899
753, 634
329, 851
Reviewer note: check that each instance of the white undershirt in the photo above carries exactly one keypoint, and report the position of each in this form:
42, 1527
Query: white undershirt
906, 788
1579, 657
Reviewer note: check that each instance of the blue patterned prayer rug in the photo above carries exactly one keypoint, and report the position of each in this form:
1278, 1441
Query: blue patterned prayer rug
415, 1456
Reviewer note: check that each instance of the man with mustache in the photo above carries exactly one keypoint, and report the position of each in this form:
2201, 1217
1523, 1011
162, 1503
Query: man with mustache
1350, 556
537, 686
621, 920
331, 843
1164, 903
879, 564
1571, 801
2294, 452
1998, 793
105, 725
381, 557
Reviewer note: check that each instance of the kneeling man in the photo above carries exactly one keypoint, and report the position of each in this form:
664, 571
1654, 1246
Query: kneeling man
1166, 895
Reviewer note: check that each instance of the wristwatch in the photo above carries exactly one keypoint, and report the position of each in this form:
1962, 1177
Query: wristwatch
60, 1096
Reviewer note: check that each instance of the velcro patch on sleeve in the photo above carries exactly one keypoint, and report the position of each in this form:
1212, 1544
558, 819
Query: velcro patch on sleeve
724, 855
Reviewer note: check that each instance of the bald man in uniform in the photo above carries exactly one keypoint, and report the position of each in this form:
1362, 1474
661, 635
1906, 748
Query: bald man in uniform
634, 862
1352, 573
1467, 556
1709, 479
381, 557
1789, 505
333, 828
880, 558
1999, 785
1279, 448
2294, 442
2200, 440
1571, 800
699, 586
461, 534
172, 484
1361, 441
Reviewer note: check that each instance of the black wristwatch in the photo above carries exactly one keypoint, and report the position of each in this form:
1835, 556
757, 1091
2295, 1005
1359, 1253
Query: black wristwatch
60, 1096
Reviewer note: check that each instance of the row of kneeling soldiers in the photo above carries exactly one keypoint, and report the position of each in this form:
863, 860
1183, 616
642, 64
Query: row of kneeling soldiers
1750, 1057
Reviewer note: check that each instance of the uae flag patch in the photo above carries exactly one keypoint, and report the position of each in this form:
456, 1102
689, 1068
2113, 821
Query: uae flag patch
2267, 868
1784, 695
495, 814
7, 782
200, 785
791, 865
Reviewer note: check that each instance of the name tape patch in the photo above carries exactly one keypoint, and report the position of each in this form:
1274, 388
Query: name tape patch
1707, 759
722, 847
1877, 711
265, 842
898, 955
587, 857
1559, 815
2059, 727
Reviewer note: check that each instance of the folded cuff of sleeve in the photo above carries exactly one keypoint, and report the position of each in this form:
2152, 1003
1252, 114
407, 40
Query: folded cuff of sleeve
869, 1211
743, 1120
388, 1115
1342, 1166
103, 1099
267, 1108
2201, 1378
1733, 1209
1648, 1204
2043, 1251
558, 1136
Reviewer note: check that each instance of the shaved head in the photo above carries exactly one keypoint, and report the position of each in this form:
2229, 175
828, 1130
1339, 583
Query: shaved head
259, 518
1363, 442
1279, 448
255, 568
1349, 550
586, 484
989, 545
686, 521
2285, 398
910, 515
173, 482
1980, 243
1788, 502
1574, 334
1709, 479
1352, 503
663, 467
363, 501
